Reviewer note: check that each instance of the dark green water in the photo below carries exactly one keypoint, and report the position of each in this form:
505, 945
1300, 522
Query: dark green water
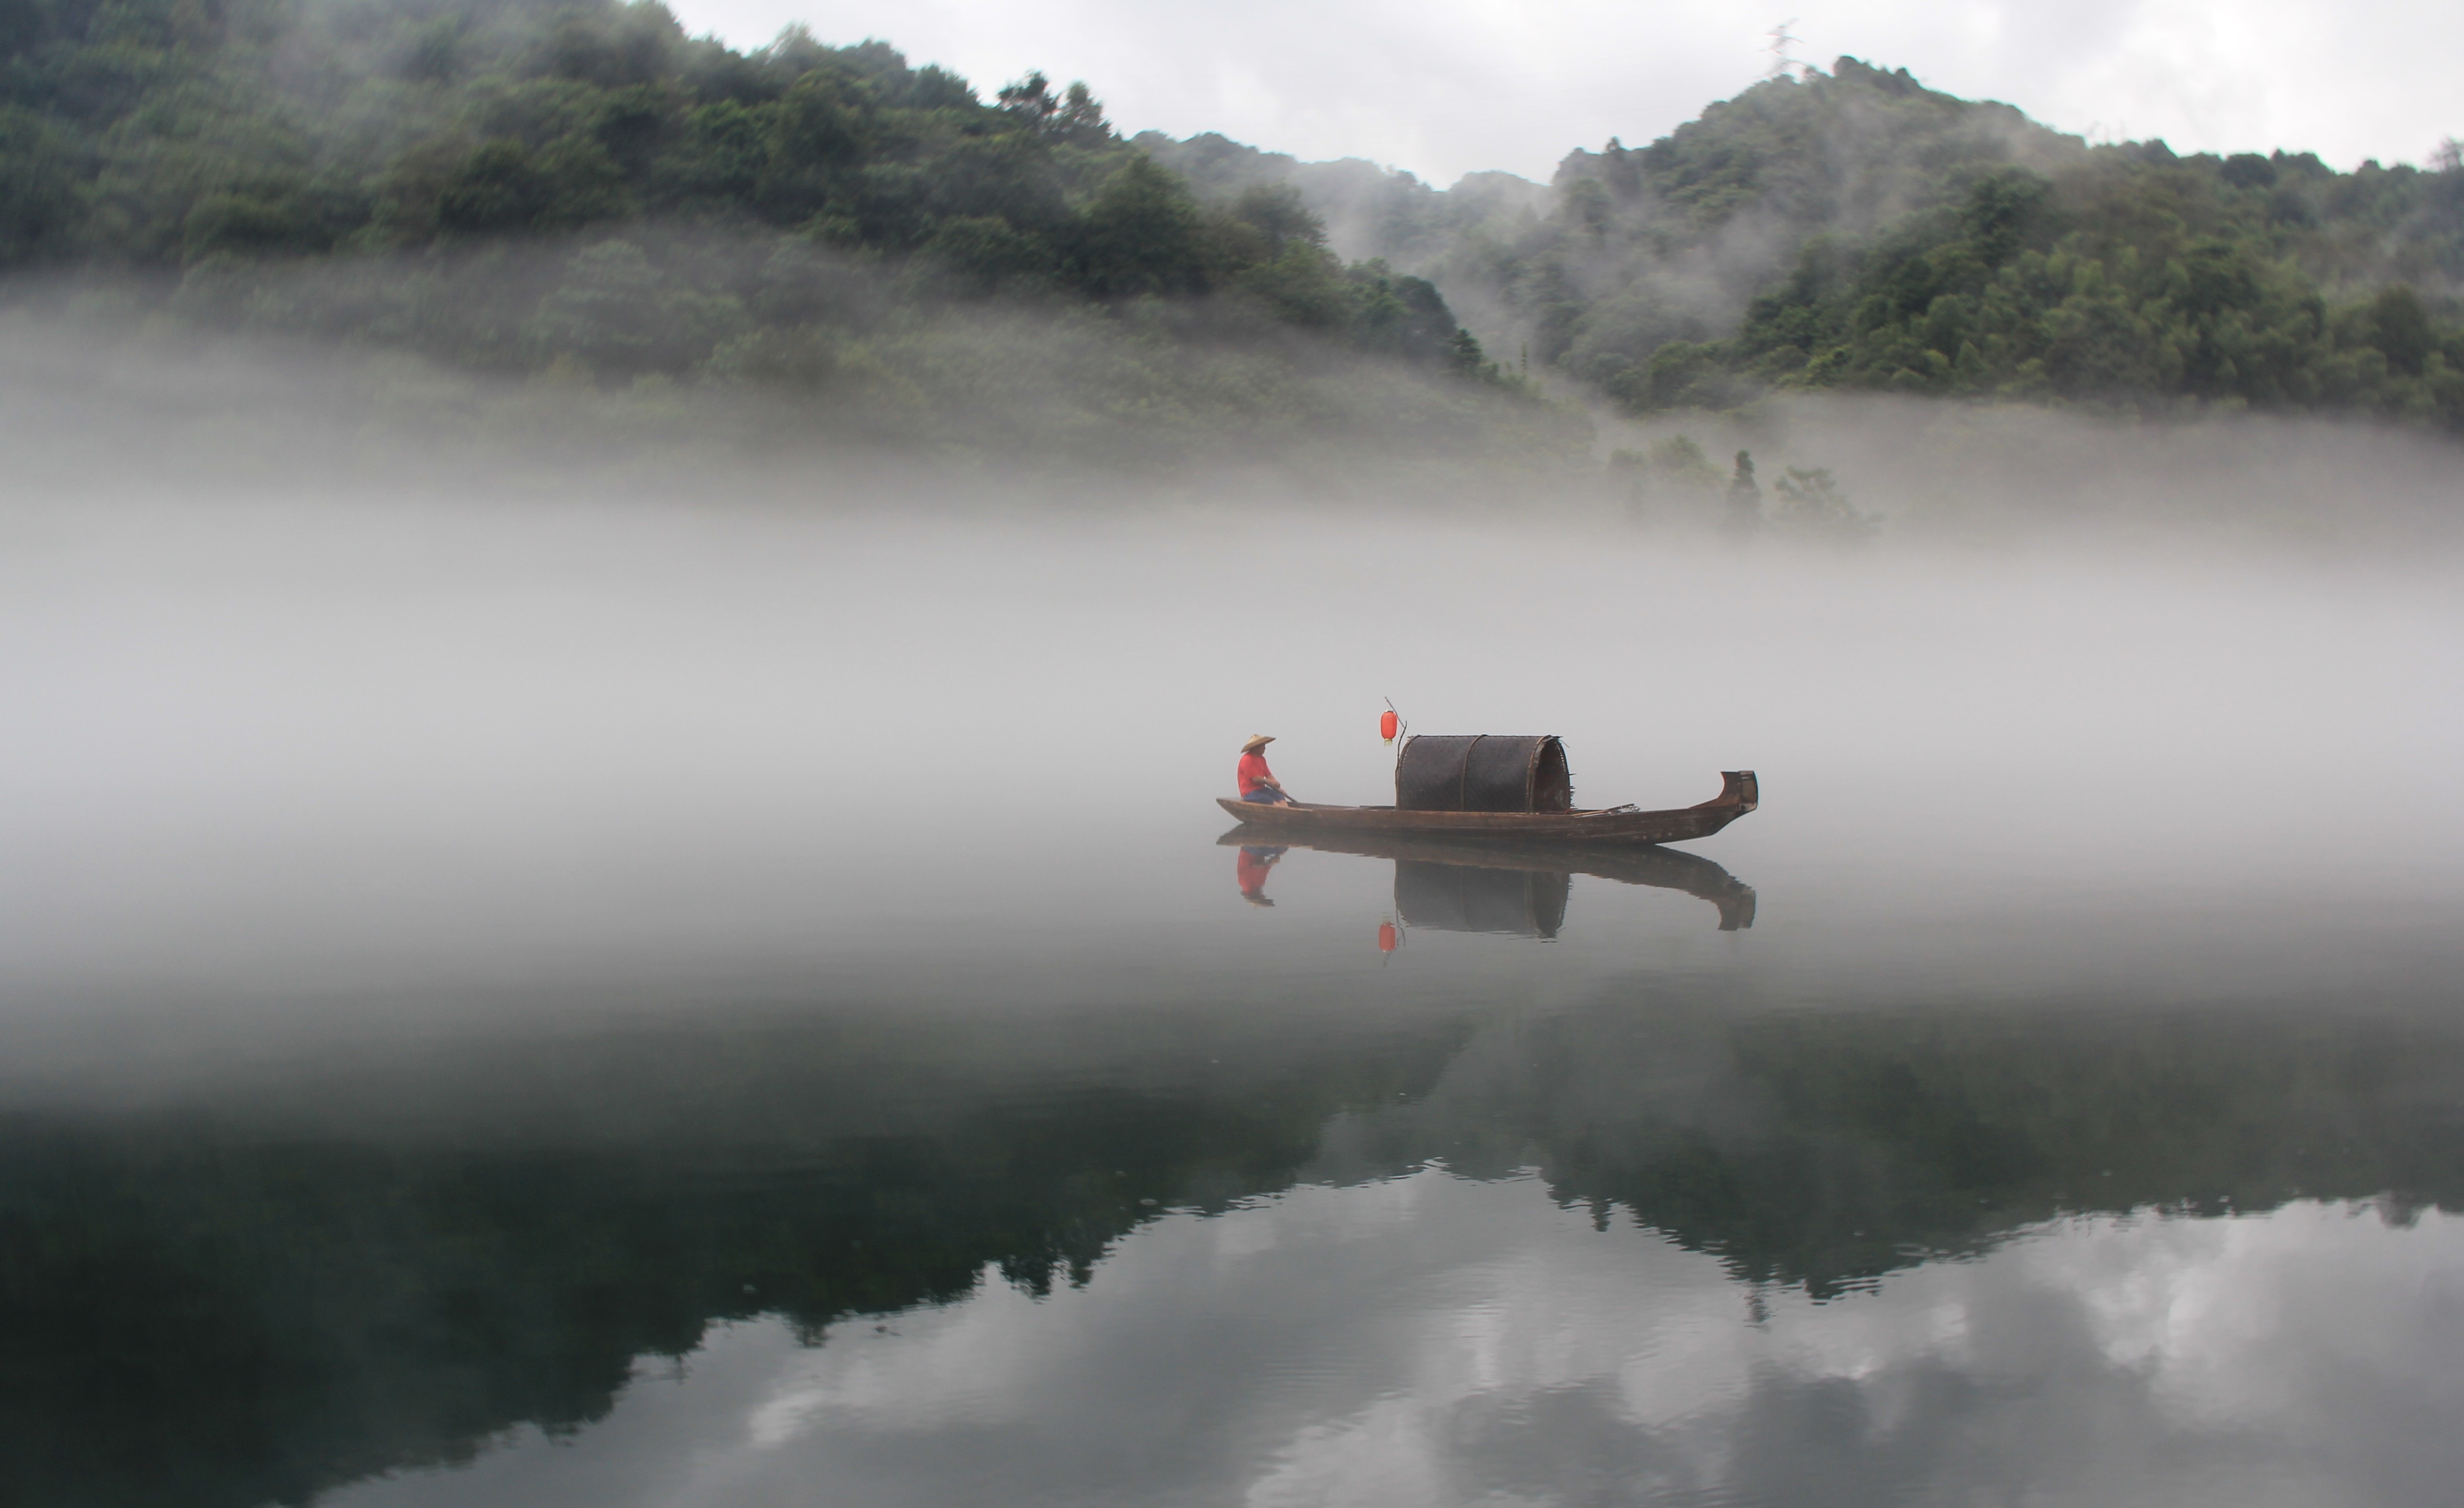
2051, 1095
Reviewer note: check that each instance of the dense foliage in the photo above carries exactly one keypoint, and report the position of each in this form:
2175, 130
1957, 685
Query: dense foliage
1944, 247
528, 184
1856, 231
575, 187
2129, 279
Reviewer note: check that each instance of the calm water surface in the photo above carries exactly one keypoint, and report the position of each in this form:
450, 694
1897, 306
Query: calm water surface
743, 1012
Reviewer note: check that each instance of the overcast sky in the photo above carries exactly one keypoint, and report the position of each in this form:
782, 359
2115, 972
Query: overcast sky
1444, 87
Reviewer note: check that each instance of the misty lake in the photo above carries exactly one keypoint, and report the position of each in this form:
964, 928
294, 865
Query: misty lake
622, 1004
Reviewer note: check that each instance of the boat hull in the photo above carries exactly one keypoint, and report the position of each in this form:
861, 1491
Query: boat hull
1740, 794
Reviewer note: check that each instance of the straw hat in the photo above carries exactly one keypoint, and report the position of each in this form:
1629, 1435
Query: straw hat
1257, 741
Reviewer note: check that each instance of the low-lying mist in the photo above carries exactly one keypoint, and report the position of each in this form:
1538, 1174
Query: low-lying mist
309, 706
1005, 408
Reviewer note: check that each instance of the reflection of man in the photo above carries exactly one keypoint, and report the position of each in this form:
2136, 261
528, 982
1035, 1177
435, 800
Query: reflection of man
1257, 781
1250, 868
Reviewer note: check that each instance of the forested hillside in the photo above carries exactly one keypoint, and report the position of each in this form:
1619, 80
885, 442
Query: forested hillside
575, 188
1856, 231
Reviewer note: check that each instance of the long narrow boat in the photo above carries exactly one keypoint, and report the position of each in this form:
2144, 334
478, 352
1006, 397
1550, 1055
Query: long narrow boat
1739, 794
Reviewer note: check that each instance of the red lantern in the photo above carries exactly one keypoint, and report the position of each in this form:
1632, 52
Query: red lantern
1387, 941
1387, 724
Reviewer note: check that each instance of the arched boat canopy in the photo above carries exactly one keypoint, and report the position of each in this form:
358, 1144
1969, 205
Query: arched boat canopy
1485, 772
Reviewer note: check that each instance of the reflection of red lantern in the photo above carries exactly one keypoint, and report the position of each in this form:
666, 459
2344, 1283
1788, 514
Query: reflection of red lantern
1387, 939
1387, 722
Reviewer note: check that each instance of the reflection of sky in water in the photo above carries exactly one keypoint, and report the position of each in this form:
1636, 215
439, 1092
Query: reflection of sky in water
1431, 1340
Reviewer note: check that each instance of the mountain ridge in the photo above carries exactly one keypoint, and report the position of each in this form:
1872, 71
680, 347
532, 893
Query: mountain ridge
1854, 230
576, 189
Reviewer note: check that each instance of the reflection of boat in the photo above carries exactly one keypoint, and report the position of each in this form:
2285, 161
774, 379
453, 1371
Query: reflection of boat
1625, 863
1618, 824
1466, 897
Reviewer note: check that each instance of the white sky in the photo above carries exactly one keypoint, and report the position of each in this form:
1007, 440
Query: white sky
1444, 87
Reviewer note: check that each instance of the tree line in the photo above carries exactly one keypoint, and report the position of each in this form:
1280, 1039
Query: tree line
1898, 239
227, 144
577, 189
1856, 231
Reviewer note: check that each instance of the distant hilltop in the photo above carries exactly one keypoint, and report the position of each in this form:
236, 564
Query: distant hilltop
536, 186
1855, 230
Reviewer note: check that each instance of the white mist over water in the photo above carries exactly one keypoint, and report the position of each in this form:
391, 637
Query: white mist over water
286, 750
323, 723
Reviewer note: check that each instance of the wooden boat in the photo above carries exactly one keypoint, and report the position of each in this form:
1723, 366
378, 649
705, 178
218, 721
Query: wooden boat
1739, 794
1624, 863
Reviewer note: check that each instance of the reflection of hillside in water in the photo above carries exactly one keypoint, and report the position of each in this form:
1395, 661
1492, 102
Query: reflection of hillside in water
1508, 889
223, 1308
1824, 1150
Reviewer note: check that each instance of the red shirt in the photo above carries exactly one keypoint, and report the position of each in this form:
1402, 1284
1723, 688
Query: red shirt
1253, 773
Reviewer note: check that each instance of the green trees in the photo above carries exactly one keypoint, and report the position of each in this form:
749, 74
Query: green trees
2091, 287
1074, 117
505, 187
1856, 231
231, 143
1140, 234
1844, 231
38, 187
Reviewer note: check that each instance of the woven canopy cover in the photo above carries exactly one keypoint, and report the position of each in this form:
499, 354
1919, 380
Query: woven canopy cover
1486, 772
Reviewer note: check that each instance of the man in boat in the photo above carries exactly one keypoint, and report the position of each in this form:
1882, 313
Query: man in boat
1257, 781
